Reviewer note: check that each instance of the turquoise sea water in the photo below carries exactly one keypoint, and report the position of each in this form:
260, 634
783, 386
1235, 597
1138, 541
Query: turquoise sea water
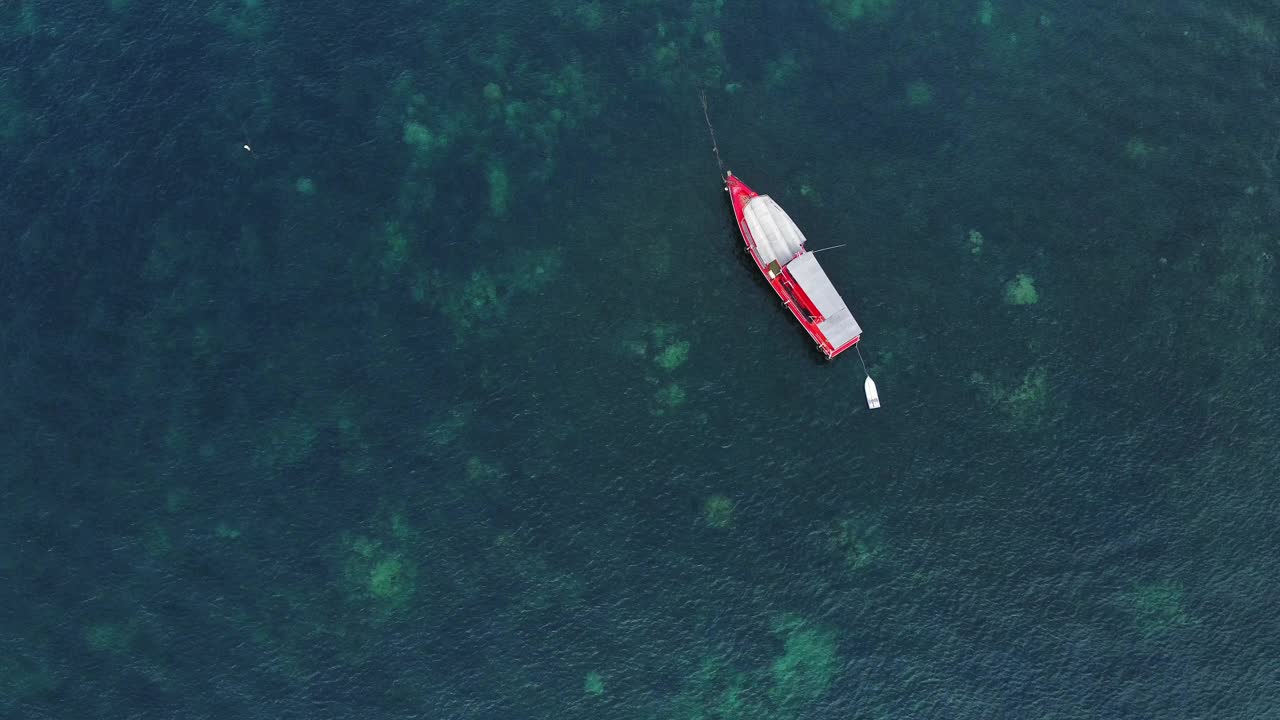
453, 395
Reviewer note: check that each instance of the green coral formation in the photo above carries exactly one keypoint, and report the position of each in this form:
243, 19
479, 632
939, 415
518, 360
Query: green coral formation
661, 345
396, 247
801, 674
1030, 397
1142, 153
919, 93
670, 397
1158, 608
476, 305
807, 667
224, 531
482, 473
975, 242
1137, 149
673, 355
1025, 402
377, 571
717, 511
986, 13
781, 72
389, 579
592, 16
1021, 291
593, 684
522, 113
419, 137
687, 51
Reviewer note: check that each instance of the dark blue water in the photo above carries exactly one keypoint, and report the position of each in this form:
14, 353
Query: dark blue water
452, 395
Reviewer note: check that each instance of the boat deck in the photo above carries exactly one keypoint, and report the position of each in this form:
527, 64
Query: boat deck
833, 317
777, 246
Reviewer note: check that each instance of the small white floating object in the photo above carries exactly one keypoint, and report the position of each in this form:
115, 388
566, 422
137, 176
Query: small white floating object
873, 398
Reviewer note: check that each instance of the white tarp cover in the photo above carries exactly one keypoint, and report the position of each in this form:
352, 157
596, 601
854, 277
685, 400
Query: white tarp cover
839, 327
776, 235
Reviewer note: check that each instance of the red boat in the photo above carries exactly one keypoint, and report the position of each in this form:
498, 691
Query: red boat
777, 246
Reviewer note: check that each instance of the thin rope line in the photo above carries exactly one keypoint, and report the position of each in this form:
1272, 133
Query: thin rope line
864, 362
706, 114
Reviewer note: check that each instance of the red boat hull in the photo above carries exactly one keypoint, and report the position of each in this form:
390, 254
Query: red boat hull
792, 295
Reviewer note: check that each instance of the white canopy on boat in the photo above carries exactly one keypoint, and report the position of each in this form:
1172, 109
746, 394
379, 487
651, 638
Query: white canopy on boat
776, 235
839, 327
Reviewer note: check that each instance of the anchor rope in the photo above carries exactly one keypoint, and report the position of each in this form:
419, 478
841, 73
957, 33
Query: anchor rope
715, 148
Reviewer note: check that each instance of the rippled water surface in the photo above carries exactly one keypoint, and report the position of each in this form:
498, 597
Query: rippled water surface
401, 361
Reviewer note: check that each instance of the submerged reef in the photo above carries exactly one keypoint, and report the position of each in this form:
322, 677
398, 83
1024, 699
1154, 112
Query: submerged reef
377, 572
919, 93
662, 345
801, 673
673, 355
687, 51
808, 664
1025, 402
1021, 290
669, 397
425, 306
593, 684
479, 305
717, 511
1157, 608
975, 242
513, 126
